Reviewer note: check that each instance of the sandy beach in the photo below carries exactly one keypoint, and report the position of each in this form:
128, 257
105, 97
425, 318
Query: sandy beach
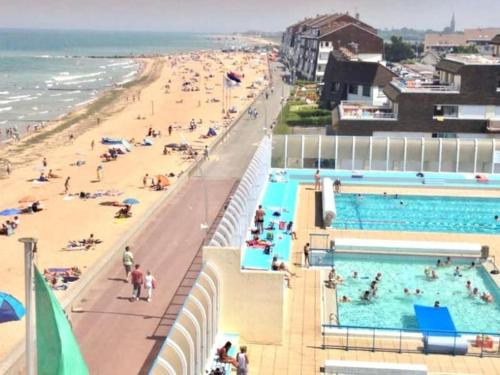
160, 98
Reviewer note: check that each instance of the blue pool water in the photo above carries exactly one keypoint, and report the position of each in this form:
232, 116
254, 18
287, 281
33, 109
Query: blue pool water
417, 213
391, 308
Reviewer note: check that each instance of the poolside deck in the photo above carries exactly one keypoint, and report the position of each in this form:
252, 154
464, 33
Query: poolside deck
301, 352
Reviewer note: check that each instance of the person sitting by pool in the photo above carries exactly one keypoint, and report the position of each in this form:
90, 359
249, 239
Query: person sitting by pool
474, 293
378, 277
468, 285
406, 291
366, 296
457, 272
277, 266
332, 278
291, 231
436, 304
448, 261
487, 297
345, 299
257, 242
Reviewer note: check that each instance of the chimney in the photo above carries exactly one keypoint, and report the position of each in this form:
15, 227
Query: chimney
357, 16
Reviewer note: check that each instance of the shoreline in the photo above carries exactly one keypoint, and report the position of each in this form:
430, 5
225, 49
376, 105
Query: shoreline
68, 217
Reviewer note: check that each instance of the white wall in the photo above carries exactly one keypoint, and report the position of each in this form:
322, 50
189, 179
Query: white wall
378, 96
252, 302
472, 111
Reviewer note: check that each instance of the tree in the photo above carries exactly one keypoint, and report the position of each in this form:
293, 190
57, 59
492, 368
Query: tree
465, 49
398, 50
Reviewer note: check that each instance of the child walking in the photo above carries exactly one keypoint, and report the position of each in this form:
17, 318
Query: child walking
242, 359
149, 284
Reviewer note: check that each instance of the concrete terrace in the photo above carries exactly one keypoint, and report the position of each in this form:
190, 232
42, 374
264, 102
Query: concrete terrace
301, 352
117, 336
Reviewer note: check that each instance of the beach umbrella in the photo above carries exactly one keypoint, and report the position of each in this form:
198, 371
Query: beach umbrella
130, 201
163, 180
10, 308
27, 199
10, 212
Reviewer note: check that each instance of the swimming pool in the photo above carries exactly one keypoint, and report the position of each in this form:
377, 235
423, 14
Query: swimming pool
417, 213
391, 308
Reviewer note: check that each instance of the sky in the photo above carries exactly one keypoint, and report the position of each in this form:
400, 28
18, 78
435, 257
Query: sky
239, 15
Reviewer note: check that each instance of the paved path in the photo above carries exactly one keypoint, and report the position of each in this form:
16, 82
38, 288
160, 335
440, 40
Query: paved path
117, 336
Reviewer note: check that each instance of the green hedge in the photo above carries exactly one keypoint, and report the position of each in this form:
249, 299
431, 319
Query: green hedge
314, 120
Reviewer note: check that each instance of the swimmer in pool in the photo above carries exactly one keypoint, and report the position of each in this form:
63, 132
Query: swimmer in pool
355, 275
448, 261
418, 292
427, 272
457, 273
438, 263
486, 297
345, 299
378, 277
366, 296
434, 275
474, 293
468, 284
406, 291
436, 304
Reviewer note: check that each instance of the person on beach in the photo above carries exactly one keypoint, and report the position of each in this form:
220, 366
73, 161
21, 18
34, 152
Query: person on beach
128, 262
137, 281
317, 180
170, 130
92, 144
44, 162
145, 181
99, 172
243, 362
66, 185
149, 284
205, 153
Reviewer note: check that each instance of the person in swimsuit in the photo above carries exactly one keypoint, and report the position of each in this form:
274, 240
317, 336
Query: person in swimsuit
259, 219
317, 180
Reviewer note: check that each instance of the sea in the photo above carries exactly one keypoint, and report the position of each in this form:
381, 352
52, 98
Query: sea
44, 74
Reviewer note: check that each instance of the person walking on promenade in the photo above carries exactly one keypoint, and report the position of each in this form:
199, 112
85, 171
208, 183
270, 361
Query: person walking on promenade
66, 185
306, 255
149, 284
205, 152
137, 281
128, 262
242, 359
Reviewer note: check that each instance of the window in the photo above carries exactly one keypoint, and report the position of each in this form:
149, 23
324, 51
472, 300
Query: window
380, 93
366, 90
336, 87
323, 56
353, 89
446, 111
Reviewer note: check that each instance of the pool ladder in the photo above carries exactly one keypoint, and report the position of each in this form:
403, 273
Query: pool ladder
333, 317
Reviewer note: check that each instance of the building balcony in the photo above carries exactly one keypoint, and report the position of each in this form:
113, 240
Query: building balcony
418, 86
365, 111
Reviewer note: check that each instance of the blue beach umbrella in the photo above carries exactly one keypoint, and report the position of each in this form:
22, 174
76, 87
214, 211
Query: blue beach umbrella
10, 308
130, 201
10, 212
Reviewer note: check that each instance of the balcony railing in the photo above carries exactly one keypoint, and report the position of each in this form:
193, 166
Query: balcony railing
415, 85
364, 111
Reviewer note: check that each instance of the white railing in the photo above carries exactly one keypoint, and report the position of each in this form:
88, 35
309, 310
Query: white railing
363, 111
412, 85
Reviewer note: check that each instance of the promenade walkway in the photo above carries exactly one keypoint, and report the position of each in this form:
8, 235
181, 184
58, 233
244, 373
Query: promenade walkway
117, 336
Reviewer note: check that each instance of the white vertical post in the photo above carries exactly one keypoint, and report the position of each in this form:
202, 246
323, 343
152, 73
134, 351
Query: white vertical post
405, 153
286, 151
319, 152
440, 154
494, 146
457, 165
387, 152
475, 154
336, 151
302, 152
422, 154
353, 156
370, 154
29, 288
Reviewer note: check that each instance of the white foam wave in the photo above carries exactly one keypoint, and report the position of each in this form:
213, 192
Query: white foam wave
19, 97
43, 112
86, 102
5, 109
66, 78
4, 93
8, 101
68, 100
20, 117
54, 95
119, 63
3, 122
79, 82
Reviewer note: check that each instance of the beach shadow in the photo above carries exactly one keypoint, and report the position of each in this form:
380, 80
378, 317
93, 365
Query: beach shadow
117, 279
94, 181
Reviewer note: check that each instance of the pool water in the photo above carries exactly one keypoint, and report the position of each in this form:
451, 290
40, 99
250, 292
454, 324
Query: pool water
391, 308
417, 213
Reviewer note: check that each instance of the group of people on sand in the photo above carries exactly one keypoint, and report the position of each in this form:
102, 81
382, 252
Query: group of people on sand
9, 226
136, 277
85, 243
58, 278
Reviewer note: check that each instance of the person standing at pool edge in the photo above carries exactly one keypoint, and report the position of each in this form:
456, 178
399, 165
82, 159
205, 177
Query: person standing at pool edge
306, 255
317, 180
259, 219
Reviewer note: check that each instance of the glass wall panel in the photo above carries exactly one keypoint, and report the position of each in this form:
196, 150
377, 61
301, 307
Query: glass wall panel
362, 153
311, 147
449, 155
278, 152
294, 151
431, 155
379, 154
413, 154
327, 152
396, 154
345, 153
484, 153
466, 160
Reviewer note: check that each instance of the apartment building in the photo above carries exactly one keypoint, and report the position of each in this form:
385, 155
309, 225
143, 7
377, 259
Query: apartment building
462, 99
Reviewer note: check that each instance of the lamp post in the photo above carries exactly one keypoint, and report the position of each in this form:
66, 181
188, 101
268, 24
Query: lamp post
29, 252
